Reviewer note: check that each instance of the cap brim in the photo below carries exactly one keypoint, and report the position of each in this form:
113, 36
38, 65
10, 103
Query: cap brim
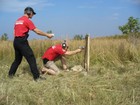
34, 13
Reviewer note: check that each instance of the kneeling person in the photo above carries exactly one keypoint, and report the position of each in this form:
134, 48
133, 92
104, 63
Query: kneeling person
53, 53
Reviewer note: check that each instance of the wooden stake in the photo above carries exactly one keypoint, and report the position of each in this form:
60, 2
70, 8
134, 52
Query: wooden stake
87, 53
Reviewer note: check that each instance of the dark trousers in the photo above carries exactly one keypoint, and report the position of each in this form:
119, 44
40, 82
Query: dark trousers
22, 48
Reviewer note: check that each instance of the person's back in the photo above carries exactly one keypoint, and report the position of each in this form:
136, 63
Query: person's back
53, 52
22, 26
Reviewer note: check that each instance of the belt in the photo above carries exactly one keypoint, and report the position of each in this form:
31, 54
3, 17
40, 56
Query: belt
25, 36
19, 36
45, 60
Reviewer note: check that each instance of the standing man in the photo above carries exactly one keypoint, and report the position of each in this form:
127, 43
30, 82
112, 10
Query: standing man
21, 46
54, 53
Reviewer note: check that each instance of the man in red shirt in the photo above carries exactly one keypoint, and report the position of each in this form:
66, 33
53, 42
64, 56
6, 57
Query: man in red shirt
22, 26
58, 51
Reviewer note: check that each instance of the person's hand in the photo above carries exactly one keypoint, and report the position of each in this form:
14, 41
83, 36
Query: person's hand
79, 50
50, 35
81, 47
64, 67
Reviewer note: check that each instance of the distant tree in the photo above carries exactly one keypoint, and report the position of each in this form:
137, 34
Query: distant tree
132, 26
4, 37
49, 32
78, 37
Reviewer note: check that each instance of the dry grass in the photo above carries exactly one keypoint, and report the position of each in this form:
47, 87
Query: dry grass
113, 79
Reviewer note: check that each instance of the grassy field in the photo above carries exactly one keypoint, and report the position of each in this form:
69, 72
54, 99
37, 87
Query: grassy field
113, 79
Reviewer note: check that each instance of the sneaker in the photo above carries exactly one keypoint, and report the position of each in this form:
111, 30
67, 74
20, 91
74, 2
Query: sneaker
43, 72
40, 78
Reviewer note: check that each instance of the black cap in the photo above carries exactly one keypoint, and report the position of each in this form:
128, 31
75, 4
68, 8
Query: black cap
28, 10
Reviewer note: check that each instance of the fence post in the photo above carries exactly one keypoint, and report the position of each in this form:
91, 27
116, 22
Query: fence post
87, 53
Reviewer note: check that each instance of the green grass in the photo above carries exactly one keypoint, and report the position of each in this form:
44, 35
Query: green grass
113, 79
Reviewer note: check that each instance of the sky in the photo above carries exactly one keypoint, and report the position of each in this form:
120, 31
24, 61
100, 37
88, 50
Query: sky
67, 18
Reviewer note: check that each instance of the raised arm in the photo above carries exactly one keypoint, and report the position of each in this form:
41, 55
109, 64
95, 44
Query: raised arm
39, 32
73, 52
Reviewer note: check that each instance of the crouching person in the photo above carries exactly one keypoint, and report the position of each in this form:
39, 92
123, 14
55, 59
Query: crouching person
54, 53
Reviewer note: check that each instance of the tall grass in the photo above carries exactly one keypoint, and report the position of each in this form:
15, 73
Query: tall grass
6, 50
113, 79
104, 51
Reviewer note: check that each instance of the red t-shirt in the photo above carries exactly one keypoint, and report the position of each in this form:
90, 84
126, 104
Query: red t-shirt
53, 52
22, 26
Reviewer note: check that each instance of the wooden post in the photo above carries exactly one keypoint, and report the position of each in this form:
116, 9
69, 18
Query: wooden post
87, 53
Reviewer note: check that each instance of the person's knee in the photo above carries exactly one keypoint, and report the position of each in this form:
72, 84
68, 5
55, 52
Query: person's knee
31, 56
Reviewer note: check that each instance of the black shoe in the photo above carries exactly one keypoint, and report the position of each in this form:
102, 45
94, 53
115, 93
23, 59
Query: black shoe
43, 72
11, 76
40, 78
